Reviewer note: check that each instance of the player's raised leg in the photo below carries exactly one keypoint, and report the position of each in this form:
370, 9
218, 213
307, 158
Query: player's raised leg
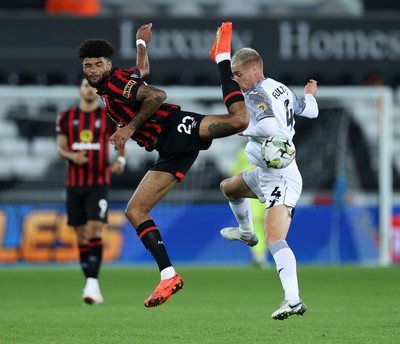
215, 126
238, 194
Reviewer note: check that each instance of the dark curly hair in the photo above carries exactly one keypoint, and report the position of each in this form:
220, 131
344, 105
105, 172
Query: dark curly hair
95, 47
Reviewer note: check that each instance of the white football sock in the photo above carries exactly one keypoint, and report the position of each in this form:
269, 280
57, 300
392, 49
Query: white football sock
92, 282
241, 210
286, 266
168, 272
92, 285
222, 56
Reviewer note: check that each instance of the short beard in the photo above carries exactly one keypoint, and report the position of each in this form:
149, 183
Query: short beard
100, 83
90, 100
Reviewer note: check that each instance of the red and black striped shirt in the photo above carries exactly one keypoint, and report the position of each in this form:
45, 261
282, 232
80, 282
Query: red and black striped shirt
119, 97
87, 131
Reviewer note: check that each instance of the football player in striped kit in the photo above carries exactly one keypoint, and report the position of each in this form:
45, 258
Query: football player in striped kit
272, 107
178, 136
83, 134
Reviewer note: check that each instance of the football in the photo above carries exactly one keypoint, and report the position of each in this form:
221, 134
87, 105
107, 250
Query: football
278, 151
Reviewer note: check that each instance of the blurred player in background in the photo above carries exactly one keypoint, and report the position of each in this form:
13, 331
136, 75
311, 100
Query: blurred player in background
178, 136
272, 107
83, 134
258, 252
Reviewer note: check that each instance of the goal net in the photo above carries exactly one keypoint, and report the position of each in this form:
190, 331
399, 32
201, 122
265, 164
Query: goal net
346, 160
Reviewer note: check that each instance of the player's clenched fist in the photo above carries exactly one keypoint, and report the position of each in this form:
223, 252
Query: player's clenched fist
311, 87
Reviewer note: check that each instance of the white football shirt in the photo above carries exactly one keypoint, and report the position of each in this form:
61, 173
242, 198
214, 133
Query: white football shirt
272, 106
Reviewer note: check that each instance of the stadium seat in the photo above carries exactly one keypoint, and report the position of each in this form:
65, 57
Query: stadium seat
30, 167
6, 170
8, 129
16, 146
135, 8
44, 146
236, 8
185, 9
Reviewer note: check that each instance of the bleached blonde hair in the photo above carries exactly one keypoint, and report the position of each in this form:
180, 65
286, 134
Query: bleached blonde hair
246, 55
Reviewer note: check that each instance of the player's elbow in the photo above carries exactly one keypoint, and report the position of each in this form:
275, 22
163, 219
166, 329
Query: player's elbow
314, 113
160, 95
144, 71
61, 153
311, 110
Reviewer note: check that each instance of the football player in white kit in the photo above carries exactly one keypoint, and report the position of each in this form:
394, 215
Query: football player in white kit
272, 107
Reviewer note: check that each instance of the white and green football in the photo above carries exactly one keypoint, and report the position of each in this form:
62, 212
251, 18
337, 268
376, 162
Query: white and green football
278, 151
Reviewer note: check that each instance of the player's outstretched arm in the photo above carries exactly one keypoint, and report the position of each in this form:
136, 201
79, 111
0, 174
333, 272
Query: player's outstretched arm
310, 91
151, 99
143, 37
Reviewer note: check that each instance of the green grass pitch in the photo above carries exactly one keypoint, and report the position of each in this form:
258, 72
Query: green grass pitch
218, 305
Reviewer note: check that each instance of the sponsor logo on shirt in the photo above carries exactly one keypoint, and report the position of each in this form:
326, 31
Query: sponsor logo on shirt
86, 136
85, 146
262, 105
128, 88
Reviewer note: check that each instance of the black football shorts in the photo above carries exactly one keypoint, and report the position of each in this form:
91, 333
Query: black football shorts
180, 134
86, 203
179, 143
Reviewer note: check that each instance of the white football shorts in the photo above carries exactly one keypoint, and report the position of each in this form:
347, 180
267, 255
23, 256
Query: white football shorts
274, 187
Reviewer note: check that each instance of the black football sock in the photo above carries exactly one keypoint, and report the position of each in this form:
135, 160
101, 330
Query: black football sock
95, 257
230, 88
151, 238
84, 258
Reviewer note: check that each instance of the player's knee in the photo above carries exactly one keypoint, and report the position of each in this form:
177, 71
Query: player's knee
135, 215
222, 186
82, 235
226, 188
82, 240
131, 215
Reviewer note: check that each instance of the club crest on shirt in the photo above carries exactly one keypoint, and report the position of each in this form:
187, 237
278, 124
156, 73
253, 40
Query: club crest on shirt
86, 135
128, 88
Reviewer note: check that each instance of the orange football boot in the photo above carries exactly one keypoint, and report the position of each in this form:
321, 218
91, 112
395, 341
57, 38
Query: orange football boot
222, 42
164, 291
